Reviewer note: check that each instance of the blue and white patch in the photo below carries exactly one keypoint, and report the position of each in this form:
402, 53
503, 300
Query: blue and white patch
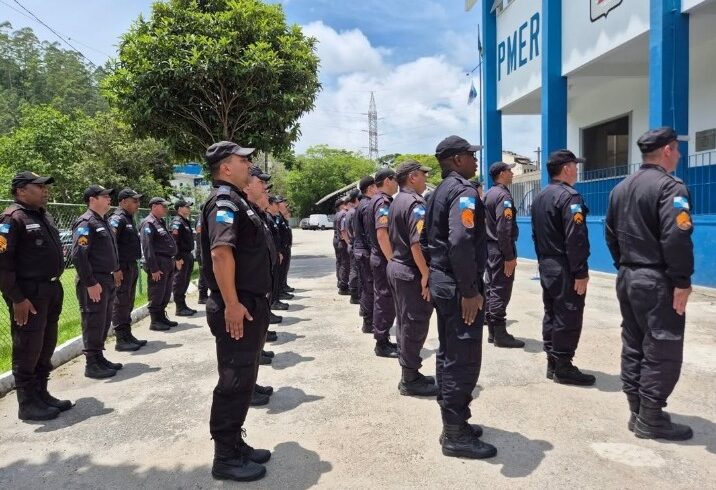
148, 230
82, 231
175, 226
575, 208
467, 202
681, 202
225, 216
507, 204
384, 211
5, 228
114, 222
419, 211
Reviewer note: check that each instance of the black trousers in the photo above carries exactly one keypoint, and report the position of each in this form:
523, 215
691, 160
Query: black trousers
96, 317
652, 334
34, 343
383, 305
160, 291
459, 355
286, 267
412, 312
342, 263
354, 283
498, 287
366, 279
237, 363
203, 286
124, 299
563, 309
182, 278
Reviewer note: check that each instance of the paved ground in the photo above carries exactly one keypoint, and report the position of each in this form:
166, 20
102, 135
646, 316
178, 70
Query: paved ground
337, 420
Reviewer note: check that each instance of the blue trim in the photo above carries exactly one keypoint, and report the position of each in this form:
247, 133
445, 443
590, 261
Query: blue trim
554, 85
492, 118
669, 71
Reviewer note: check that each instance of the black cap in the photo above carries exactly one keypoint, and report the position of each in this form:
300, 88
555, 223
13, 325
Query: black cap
96, 190
411, 166
269, 187
560, 157
218, 151
280, 199
181, 203
353, 195
128, 193
384, 173
366, 182
658, 138
339, 202
273, 200
23, 178
454, 145
498, 167
256, 171
158, 200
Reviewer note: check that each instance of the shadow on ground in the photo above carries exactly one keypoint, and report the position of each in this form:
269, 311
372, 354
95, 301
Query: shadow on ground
704, 432
84, 409
154, 346
288, 398
285, 337
289, 359
291, 467
132, 370
518, 455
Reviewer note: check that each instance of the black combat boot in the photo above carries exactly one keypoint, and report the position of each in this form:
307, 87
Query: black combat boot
288, 289
268, 353
140, 343
344, 292
550, 367
567, 373
415, 384
634, 404
367, 325
274, 319
490, 334
124, 342
383, 348
264, 390
459, 441
277, 305
45, 397
271, 336
285, 296
476, 430
96, 370
165, 319
504, 339
653, 423
258, 399
182, 309
355, 299
259, 456
203, 297
157, 323
31, 407
265, 360
107, 363
231, 464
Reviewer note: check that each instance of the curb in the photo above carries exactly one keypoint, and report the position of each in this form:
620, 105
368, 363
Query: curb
73, 347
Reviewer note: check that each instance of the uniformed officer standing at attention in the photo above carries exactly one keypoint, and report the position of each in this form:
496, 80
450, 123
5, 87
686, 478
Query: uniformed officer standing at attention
456, 251
285, 211
31, 264
502, 233
159, 250
361, 250
348, 235
648, 231
95, 257
129, 251
183, 235
284, 231
408, 274
340, 248
559, 231
203, 288
380, 253
236, 253
274, 227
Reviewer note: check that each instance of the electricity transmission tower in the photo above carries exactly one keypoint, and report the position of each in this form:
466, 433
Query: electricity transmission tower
372, 129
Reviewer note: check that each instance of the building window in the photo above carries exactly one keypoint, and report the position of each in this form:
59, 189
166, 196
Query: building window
606, 148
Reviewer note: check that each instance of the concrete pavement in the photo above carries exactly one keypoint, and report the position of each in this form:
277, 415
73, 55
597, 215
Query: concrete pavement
336, 419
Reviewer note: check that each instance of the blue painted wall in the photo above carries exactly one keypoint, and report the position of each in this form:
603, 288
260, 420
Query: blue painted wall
704, 239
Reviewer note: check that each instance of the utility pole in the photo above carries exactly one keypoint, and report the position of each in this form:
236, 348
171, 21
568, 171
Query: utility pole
372, 129
539, 154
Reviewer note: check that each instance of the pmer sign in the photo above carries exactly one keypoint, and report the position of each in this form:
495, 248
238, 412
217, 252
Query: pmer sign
519, 48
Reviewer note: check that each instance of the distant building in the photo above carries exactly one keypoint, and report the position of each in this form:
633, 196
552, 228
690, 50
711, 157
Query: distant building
190, 175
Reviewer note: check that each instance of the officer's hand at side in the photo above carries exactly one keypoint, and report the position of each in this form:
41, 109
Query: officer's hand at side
425, 289
510, 267
118, 278
22, 310
470, 308
681, 296
580, 285
179, 264
234, 316
95, 292
280, 258
157, 276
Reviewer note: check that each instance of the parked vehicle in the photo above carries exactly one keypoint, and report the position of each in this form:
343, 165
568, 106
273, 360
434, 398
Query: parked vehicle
304, 225
319, 222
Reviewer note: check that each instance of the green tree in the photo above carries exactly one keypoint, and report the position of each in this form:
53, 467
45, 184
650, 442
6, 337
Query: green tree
428, 160
199, 71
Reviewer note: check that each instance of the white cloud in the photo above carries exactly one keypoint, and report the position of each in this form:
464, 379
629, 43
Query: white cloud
346, 51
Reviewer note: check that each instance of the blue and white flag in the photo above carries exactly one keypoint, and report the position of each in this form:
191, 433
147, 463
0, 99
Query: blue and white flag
473, 93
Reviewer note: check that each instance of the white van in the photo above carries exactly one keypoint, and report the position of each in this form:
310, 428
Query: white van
319, 222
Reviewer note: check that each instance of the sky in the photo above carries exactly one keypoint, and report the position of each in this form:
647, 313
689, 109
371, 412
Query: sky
414, 55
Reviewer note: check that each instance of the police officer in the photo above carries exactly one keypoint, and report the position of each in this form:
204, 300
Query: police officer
340, 247
502, 233
31, 264
348, 235
380, 253
129, 251
183, 235
455, 237
648, 231
236, 252
159, 250
274, 227
202, 286
407, 273
559, 231
361, 250
284, 230
285, 211
94, 254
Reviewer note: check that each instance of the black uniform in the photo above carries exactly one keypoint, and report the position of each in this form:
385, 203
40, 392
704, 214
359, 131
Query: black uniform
648, 231
383, 306
159, 251
456, 250
129, 251
31, 264
228, 220
203, 288
502, 233
183, 235
407, 219
342, 262
348, 226
361, 253
284, 230
95, 256
275, 235
559, 231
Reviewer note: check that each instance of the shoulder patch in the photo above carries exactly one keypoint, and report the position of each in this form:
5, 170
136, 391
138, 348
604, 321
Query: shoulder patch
419, 211
468, 202
3, 244
507, 203
681, 202
223, 203
82, 231
148, 230
114, 221
575, 208
683, 221
225, 216
5, 228
224, 190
